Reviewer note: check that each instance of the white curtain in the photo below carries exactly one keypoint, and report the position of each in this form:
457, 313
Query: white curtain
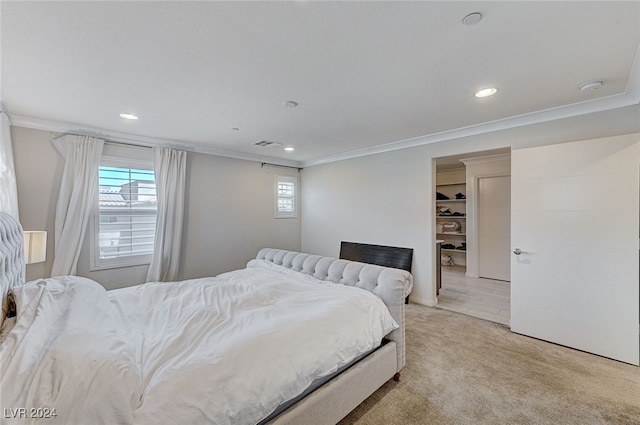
77, 198
170, 169
9, 193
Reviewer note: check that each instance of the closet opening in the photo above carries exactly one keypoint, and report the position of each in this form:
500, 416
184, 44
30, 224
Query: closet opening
472, 219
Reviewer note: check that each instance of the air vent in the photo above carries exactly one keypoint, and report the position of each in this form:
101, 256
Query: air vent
265, 143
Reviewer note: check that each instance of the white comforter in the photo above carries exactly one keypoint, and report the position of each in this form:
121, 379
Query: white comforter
223, 350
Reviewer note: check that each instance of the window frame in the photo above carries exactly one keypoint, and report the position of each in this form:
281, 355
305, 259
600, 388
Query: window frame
286, 214
97, 263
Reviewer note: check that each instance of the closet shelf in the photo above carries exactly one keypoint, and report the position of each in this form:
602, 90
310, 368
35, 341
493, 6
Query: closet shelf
451, 184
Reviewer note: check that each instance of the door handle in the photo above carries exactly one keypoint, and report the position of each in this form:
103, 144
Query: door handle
518, 251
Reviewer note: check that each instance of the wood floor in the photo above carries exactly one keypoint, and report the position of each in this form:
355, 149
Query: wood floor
484, 298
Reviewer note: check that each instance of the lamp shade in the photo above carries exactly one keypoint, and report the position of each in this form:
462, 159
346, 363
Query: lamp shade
35, 246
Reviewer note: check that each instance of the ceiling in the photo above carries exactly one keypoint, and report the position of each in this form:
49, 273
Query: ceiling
367, 76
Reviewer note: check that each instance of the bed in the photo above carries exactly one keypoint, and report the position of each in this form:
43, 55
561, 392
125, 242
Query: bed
271, 343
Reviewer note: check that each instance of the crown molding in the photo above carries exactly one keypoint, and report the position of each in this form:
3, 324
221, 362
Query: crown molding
633, 83
137, 140
631, 96
583, 108
486, 158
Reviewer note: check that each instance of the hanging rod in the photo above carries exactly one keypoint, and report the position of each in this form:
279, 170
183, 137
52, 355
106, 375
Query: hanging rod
106, 140
283, 166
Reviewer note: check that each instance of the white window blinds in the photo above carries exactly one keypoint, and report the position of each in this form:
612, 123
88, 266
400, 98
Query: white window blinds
126, 219
286, 197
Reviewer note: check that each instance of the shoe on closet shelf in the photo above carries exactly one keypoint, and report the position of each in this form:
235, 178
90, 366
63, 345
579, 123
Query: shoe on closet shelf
445, 260
460, 196
441, 196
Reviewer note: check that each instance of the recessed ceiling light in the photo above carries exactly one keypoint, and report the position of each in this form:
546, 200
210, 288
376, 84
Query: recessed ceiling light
591, 85
289, 149
127, 116
472, 18
489, 91
290, 103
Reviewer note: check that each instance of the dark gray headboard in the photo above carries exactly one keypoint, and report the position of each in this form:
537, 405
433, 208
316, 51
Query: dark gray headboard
386, 256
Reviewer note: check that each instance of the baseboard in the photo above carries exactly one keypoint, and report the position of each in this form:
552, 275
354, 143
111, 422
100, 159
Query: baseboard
422, 301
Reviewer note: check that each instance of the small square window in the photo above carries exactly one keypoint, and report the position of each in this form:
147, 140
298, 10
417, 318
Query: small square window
286, 197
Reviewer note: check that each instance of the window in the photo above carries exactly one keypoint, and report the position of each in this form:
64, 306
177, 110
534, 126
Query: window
286, 197
124, 226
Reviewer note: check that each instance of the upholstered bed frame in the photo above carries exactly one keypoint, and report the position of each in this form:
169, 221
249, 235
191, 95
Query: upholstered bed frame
12, 271
335, 399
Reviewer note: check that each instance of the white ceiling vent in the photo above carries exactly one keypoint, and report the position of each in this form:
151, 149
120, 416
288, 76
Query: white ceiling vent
266, 143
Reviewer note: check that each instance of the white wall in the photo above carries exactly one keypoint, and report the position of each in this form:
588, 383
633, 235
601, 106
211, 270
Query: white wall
38, 175
388, 199
229, 214
380, 199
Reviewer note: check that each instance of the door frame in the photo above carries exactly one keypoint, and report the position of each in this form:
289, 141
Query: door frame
472, 202
466, 157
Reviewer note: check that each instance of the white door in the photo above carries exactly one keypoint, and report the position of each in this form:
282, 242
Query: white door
494, 226
574, 216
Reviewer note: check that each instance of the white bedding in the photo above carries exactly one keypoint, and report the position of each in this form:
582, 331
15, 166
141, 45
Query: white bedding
223, 350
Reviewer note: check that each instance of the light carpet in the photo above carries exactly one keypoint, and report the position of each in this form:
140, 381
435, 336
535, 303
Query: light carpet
463, 370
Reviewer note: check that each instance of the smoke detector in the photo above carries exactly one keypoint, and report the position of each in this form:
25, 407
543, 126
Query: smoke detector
472, 18
591, 85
